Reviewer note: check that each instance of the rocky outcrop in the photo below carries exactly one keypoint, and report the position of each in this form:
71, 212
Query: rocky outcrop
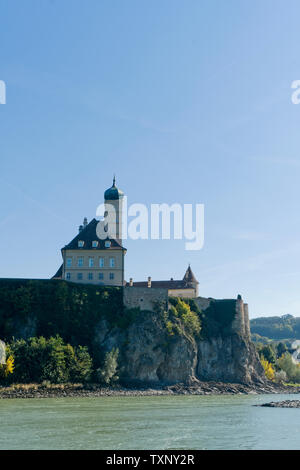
282, 404
150, 355
230, 359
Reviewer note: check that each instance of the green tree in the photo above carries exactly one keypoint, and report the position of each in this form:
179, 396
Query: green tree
292, 370
41, 359
267, 352
281, 349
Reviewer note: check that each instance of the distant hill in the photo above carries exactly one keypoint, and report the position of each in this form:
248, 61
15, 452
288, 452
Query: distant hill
276, 328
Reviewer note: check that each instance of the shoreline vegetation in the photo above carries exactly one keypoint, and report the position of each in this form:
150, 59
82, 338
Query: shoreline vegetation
95, 390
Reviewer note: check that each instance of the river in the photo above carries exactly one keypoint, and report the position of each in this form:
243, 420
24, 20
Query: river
166, 422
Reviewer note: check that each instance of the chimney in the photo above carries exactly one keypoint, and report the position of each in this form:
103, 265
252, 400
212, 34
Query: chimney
131, 282
80, 228
149, 281
85, 222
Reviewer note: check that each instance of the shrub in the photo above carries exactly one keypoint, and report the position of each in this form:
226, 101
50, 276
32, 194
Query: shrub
181, 310
280, 376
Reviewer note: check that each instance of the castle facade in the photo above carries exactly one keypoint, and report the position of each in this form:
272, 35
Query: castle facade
90, 260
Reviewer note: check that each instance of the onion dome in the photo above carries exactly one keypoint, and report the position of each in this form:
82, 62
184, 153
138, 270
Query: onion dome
113, 193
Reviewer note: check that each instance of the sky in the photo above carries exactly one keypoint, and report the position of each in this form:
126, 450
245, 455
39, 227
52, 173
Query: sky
186, 102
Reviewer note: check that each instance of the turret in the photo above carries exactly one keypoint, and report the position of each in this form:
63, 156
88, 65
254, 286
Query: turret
246, 321
113, 198
191, 280
238, 324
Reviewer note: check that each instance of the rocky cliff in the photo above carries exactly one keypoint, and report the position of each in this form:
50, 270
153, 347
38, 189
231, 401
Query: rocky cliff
172, 342
150, 354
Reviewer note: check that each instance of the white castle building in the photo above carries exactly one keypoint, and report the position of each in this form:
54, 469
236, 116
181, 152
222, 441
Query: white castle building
90, 260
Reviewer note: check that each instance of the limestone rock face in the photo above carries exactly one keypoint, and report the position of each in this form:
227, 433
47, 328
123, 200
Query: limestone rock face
229, 359
150, 355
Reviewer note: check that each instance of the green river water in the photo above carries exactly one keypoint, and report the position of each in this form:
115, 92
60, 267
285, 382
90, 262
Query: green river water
167, 422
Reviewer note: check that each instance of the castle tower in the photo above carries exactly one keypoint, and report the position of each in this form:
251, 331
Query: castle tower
238, 324
191, 280
88, 259
114, 197
247, 321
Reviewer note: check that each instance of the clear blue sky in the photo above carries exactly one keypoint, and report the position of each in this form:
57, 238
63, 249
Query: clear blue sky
186, 101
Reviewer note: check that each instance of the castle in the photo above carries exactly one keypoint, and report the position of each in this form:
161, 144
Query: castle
89, 260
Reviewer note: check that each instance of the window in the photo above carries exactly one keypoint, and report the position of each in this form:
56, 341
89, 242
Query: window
69, 262
79, 276
111, 262
80, 243
68, 276
107, 244
94, 244
101, 262
91, 262
101, 276
80, 261
111, 276
90, 276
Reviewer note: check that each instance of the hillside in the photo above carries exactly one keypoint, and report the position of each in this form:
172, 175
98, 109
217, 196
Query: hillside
276, 328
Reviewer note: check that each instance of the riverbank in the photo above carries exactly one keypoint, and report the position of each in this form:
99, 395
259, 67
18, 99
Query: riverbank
95, 390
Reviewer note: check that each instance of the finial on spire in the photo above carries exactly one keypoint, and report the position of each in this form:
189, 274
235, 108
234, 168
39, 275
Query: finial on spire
114, 180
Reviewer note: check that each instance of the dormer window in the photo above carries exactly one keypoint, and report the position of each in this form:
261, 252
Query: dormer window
80, 243
107, 244
94, 243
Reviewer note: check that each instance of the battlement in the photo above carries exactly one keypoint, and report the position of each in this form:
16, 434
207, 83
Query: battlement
146, 298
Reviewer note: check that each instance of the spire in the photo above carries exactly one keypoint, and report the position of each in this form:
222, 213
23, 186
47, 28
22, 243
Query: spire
189, 275
113, 192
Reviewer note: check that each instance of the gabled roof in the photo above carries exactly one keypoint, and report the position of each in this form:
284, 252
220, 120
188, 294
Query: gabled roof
88, 234
58, 274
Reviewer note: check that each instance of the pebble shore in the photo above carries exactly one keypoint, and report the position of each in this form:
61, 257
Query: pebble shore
94, 390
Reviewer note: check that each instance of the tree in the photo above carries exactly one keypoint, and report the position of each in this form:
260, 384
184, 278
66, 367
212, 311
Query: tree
108, 373
281, 349
267, 352
40, 359
292, 370
7, 368
189, 318
269, 371
81, 366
